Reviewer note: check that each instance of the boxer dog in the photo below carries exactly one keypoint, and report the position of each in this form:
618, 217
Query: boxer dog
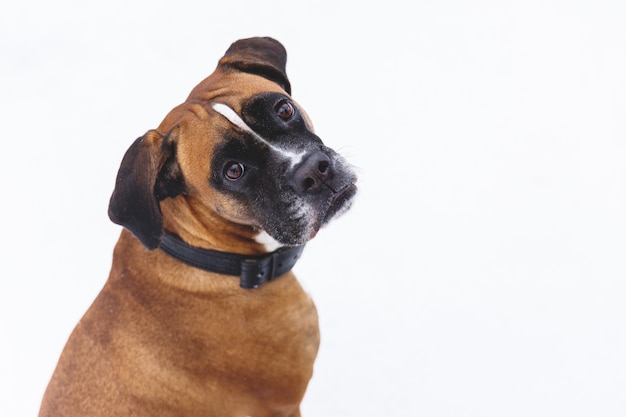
200, 315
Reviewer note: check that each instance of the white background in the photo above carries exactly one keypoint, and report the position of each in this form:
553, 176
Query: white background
482, 269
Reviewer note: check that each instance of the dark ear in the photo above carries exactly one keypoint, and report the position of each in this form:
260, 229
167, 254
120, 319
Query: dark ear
148, 173
261, 56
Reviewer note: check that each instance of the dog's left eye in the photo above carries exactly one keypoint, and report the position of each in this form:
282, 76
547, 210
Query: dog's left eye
285, 110
234, 170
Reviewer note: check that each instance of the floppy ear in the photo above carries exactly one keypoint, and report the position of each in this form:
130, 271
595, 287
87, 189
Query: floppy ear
148, 173
261, 56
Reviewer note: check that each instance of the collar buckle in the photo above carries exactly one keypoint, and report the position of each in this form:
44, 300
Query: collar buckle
257, 271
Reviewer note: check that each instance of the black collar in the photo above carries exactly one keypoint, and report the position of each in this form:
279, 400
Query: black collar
253, 270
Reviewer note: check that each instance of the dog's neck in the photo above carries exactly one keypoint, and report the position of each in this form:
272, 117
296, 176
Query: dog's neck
248, 253
253, 271
208, 229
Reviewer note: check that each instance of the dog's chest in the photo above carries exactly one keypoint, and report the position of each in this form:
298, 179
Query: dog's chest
257, 346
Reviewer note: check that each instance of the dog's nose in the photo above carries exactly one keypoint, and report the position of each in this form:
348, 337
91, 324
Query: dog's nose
312, 174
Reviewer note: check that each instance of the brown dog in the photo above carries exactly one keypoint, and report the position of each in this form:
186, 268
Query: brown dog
233, 182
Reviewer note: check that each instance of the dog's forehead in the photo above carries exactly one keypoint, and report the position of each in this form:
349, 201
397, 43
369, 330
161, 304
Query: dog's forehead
232, 88
216, 105
235, 89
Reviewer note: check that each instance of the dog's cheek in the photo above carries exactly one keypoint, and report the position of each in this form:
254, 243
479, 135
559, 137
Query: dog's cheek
232, 206
235, 212
196, 145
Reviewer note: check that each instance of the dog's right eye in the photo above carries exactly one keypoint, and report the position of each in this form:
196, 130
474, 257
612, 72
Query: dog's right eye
285, 110
234, 170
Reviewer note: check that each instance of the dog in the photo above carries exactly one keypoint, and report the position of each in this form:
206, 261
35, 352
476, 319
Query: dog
201, 314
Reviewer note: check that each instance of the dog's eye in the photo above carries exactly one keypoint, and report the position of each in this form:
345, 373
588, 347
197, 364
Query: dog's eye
285, 110
234, 170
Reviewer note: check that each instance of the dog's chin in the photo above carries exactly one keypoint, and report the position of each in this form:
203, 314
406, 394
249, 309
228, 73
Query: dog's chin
292, 238
294, 231
300, 230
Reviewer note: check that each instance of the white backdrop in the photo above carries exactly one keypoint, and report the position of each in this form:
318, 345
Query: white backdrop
482, 269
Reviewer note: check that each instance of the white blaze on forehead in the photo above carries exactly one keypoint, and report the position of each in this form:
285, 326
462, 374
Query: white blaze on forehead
234, 118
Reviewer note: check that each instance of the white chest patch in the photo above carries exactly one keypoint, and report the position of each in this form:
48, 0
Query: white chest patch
266, 240
234, 118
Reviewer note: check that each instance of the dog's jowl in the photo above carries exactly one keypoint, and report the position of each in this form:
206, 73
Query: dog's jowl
201, 314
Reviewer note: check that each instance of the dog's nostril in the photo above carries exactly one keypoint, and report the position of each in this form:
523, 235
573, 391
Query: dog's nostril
308, 183
322, 167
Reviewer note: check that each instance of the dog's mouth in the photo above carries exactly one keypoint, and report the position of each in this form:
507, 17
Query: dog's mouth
340, 202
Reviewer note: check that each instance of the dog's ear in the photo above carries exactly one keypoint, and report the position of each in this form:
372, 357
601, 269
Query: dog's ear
261, 56
148, 174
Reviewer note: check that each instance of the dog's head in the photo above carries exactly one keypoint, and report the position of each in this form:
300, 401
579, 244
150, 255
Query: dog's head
239, 154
